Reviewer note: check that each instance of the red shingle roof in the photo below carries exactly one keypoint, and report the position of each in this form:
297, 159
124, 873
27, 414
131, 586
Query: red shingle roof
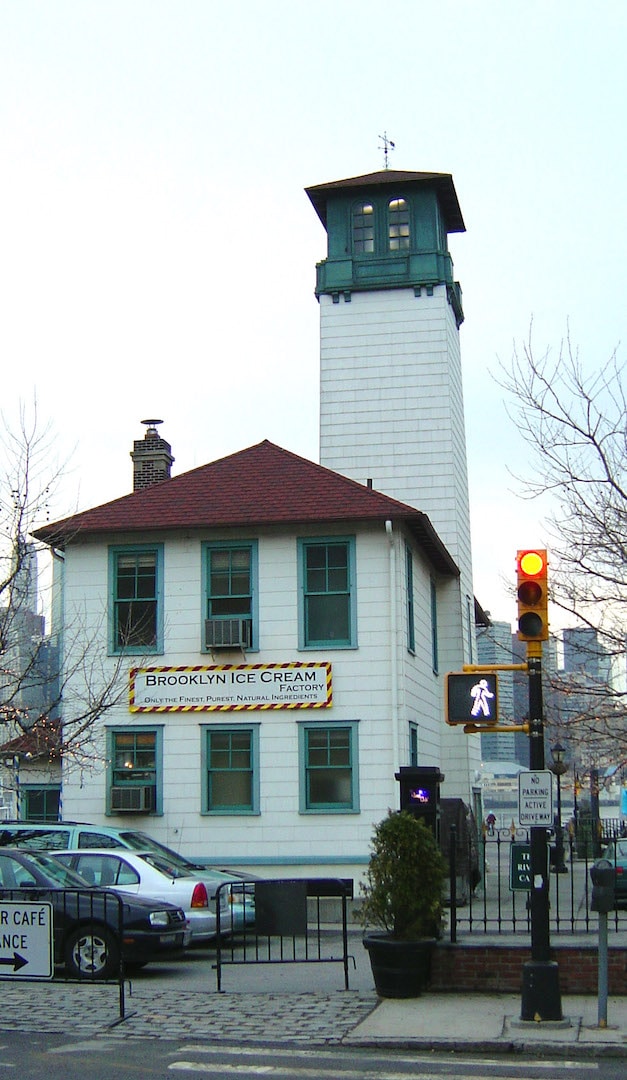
42, 740
262, 485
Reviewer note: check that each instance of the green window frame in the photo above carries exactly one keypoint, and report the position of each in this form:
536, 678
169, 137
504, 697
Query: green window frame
363, 228
327, 593
135, 761
136, 599
230, 769
40, 802
413, 743
398, 225
230, 582
470, 624
409, 586
434, 627
328, 766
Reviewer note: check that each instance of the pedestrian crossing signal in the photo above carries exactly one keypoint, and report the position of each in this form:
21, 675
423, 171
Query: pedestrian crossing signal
472, 699
532, 594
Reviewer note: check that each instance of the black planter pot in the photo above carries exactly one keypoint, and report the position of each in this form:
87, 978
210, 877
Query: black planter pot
401, 969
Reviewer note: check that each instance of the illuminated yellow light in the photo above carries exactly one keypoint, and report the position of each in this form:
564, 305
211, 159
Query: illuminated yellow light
531, 563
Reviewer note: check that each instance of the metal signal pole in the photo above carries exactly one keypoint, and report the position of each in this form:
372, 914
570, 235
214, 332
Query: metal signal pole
541, 998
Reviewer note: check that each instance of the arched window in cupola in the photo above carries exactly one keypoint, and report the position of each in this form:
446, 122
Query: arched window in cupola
363, 228
398, 225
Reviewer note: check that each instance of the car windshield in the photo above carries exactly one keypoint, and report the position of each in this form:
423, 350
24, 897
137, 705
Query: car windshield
60, 874
168, 866
140, 841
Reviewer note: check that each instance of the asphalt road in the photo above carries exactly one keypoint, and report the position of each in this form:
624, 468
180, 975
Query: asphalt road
58, 1057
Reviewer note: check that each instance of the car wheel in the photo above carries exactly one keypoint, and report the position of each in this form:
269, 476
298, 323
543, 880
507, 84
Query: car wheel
92, 952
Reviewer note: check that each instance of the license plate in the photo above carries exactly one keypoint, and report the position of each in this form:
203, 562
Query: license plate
168, 939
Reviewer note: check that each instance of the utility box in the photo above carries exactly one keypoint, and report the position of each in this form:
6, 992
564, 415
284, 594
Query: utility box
420, 793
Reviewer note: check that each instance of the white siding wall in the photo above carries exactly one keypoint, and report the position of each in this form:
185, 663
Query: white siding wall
362, 690
392, 410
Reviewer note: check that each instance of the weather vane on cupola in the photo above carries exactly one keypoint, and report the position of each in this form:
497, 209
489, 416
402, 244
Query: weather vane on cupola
386, 145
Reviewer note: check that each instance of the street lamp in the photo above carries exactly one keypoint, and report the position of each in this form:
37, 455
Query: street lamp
558, 767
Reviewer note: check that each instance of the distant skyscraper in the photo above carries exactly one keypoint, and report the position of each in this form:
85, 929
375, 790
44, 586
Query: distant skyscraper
29, 674
584, 654
495, 646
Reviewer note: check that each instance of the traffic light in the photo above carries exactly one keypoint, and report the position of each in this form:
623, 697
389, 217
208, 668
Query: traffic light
532, 594
472, 699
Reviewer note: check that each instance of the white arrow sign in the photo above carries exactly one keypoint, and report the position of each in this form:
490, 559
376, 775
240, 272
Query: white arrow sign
26, 941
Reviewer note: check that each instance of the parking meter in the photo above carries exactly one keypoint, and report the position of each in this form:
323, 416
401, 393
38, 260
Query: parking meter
603, 887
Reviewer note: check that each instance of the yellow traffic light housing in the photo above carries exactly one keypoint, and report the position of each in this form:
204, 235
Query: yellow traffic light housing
532, 594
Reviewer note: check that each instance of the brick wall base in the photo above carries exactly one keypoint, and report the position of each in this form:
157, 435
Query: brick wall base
495, 968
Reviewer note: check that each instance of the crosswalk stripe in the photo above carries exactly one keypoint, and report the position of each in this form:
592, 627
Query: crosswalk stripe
397, 1059
251, 1069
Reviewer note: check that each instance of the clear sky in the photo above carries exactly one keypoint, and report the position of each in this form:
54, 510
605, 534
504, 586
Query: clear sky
157, 249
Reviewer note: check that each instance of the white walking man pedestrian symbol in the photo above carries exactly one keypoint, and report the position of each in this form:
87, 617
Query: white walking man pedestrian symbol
481, 695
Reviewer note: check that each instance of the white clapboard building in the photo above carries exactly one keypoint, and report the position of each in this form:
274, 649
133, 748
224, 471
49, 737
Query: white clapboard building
281, 627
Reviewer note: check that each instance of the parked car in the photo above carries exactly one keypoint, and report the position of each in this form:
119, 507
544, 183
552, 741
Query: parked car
70, 835
616, 852
90, 924
151, 874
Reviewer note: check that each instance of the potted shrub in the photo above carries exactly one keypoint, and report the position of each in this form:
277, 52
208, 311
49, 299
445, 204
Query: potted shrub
403, 903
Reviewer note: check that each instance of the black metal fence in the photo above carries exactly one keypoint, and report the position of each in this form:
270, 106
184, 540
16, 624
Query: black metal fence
70, 934
280, 921
493, 897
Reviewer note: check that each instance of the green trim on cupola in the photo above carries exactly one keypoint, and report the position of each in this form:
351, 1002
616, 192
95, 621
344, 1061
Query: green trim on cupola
388, 230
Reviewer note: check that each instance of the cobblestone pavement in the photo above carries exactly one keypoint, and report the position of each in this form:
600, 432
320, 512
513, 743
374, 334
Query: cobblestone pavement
163, 1013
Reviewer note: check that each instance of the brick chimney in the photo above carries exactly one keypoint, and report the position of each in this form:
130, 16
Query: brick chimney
152, 457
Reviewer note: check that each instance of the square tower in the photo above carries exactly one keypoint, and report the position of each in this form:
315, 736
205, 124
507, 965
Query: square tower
391, 396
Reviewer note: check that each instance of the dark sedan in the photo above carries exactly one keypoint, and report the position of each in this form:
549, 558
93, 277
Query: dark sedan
93, 926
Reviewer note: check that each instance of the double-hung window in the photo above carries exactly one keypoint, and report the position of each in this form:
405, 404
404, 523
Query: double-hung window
409, 586
413, 743
136, 588
231, 769
328, 767
363, 228
327, 593
39, 802
398, 225
434, 628
135, 765
231, 576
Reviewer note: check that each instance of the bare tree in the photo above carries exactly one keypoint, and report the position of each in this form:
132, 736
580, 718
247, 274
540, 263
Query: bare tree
35, 691
575, 424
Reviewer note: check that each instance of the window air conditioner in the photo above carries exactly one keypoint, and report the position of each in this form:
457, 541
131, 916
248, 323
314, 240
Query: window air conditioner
227, 633
132, 799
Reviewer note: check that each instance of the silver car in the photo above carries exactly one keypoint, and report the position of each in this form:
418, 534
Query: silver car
152, 874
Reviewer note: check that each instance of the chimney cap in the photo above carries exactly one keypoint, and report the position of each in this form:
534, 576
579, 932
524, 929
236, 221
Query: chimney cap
151, 423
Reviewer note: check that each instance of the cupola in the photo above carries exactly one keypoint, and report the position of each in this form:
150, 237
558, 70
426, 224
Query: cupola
388, 230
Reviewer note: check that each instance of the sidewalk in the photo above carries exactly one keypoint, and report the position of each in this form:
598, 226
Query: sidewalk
491, 1022
471, 1022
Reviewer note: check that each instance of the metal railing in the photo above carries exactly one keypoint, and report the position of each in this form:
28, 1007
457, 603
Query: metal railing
74, 935
495, 899
280, 921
